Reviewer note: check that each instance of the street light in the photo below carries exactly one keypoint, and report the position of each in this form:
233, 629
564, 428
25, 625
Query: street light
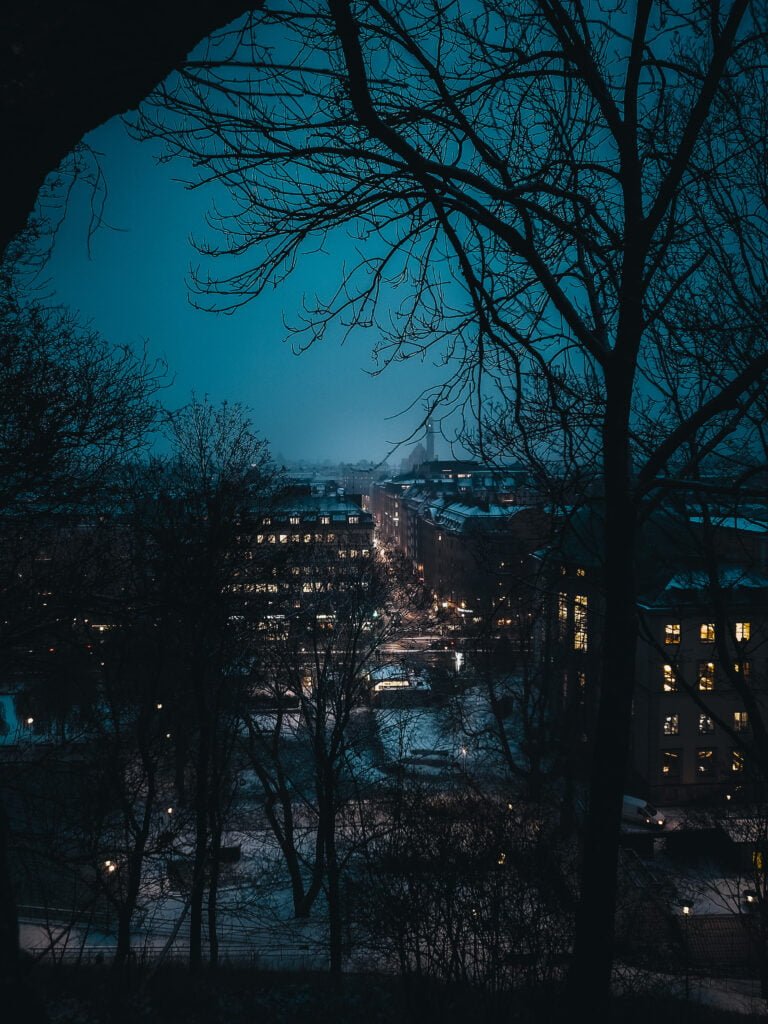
751, 898
686, 908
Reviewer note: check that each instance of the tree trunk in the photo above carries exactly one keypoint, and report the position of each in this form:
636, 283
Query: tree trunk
9, 923
20, 1004
335, 933
127, 908
213, 895
303, 898
197, 892
590, 976
123, 950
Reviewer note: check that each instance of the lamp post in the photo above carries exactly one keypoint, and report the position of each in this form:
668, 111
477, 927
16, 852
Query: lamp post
686, 908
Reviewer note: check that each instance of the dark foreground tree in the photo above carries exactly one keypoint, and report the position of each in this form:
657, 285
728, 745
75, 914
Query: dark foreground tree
566, 201
73, 407
197, 505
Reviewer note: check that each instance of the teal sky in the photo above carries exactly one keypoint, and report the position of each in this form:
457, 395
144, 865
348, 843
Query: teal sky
132, 286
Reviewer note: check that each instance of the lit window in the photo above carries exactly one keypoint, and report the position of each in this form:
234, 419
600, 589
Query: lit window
705, 761
294, 520
325, 520
581, 682
706, 724
672, 633
671, 725
742, 630
283, 538
737, 761
740, 721
580, 622
707, 632
581, 572
354, 520
271, 538
307, 538
295, 538
267, 521
669, 679
742, 666
259, 538
706, 675
670, 762
562, 614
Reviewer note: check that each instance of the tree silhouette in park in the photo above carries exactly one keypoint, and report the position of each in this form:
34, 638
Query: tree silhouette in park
564, 203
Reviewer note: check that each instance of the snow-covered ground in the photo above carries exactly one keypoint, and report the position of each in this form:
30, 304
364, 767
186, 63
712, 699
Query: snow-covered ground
256, 919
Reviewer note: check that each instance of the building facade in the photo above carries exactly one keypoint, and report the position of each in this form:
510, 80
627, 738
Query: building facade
701, 681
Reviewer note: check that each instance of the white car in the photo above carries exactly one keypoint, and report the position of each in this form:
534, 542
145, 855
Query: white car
636, 811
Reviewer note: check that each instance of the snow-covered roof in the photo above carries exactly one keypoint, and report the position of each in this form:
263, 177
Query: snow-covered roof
384, 672
457, 515
729, 578
742, 523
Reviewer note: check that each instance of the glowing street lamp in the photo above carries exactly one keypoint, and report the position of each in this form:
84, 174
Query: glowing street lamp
686, 908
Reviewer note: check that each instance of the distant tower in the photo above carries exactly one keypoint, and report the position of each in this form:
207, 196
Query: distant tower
430, 440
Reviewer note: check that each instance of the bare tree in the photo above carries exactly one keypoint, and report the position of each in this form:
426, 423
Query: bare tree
315, 671
570, 202
454, 889
74, 406
197, 504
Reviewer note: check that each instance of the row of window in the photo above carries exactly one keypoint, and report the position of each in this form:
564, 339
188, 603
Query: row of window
296, 538
307, 587
353, 520
707, 633
671, 723
706, 762
705, 675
